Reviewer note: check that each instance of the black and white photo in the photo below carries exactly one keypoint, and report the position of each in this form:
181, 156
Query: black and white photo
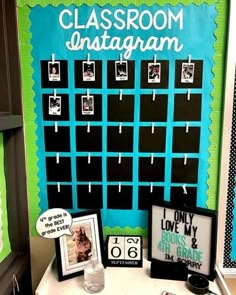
88, 71
54, 105
121, 70
87, 104
187, 73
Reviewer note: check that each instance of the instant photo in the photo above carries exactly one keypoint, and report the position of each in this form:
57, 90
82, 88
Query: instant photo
156, 77
182, 80
88, 74
88, 71
54, 106
154, 72
54, 71
87, 105
51, 111
121, 71
187, 73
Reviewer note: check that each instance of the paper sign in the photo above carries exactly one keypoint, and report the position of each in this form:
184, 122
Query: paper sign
54, 223
187, 236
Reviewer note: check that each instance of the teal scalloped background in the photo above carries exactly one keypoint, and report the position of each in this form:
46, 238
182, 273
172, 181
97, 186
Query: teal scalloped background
29, 117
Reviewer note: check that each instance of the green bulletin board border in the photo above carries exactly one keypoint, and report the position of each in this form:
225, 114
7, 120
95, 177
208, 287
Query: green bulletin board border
43, 3
6, 248
216, 116
29, 116
24, 7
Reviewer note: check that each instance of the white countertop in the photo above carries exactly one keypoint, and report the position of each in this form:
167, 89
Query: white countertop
118, 280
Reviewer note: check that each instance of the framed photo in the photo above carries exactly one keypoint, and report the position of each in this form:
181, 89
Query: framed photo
154, 72
87, 104
73, 252
183, 235
88, 71
54, 105
187, 73
121, 70
54, 71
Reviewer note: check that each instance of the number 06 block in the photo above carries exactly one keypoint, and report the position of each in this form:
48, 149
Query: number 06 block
124, 251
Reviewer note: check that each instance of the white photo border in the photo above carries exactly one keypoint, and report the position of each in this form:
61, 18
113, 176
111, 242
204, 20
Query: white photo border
157, 77
84, 99
187, 77
57, 76
84, 71
121, 76
54, 98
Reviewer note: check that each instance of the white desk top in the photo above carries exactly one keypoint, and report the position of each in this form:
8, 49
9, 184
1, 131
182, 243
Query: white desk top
118, 280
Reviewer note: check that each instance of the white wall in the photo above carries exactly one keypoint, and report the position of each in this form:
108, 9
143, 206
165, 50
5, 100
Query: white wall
42, 251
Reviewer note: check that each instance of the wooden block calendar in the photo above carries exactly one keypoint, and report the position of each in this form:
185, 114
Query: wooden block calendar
124, 251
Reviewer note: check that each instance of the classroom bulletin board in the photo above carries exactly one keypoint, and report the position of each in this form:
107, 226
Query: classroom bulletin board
122, 105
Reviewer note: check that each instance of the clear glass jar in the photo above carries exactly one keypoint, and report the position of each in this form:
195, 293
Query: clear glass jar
94, 278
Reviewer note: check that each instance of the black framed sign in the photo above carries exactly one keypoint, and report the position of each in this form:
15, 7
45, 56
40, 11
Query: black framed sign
73, 252
185, 235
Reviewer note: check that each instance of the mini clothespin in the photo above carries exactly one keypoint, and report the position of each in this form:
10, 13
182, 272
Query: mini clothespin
88, 127
57, 158
187, 127
153, 127
119, 187
184, 189
55, 127
152, 158
121, 94
87, 94
185, 159
88, 58
54, 93
89, 158
119, 159
155, 59
153, 95
188, 95
151, 187
121, 58
189, 59
53, 58
89, 187
58, 187
120, 128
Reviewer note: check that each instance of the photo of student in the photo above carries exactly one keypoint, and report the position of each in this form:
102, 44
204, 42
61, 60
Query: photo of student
154, 72
89, 71
121, 71
87, 104
54, 71
54, 107
187, 73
